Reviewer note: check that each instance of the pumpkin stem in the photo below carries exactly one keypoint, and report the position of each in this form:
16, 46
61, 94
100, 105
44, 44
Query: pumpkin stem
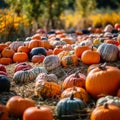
76, 74
72, 96
106, 105
92, 48
102, 66
38, 106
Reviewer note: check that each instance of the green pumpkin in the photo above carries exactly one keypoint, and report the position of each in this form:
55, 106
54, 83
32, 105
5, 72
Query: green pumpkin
108, 52
109, 100
23, 76
69, 106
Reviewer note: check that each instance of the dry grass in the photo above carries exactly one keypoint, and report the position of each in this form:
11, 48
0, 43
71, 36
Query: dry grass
27, 90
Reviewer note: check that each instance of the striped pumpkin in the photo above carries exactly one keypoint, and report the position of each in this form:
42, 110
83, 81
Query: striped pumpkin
108, 52
24, 76
51, 62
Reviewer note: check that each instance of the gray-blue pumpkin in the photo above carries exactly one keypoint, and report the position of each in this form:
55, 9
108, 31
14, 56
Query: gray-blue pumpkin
4, 83
69, 106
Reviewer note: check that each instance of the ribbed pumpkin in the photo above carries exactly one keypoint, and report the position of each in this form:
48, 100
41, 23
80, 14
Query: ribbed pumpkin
38, 70
20, 57
23, 48
103, 80
47, 77
69, 106
108, 52
2, 46
90, 57
16, 105
23, 76
47, 89
14, 45
69, 60
78, 93
114, 100
3, 113
5, 61
37, 58
51, 62
3, 68
4, 83
106, 112
75, 79
8, 52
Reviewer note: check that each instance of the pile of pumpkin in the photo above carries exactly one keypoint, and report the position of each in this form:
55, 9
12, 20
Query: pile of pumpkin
75, 93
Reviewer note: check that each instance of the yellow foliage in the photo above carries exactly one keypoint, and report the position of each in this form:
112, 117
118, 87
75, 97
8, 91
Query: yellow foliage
9, 20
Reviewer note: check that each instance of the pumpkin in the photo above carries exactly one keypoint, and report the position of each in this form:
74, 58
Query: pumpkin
78, 92
46, 44
38, 70
20, 57
69, 106
68, 40
91, 67
38, 51
69, 60
2, 46
75, 79
3, 68
4, 83
117, 26
108, 28
16, 105
118, 38
80, 49
51, 62
108, 52
38, 113
23, 48
36, 37
46, 89
5, 61
37, 58
103, 80
57, 49
22, 66
23, 76
90, 57
111, 41
14, 45
47, 77
8, 52
67, 47
3, 73
3, 113
34, 43
49, 52
106, 112
114, 100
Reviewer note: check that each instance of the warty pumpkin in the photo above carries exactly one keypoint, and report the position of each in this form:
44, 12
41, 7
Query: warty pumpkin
103, 80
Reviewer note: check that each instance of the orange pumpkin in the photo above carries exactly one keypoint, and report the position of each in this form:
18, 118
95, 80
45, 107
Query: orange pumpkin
3, 113
34, 43
36, 37
16, 105
23, 48
67, 40
90, 57
103, 80
78, 92
57, 50
80, 49
49, 52
5, 61
106, 112
118, 39
8, 52
2, 46
117, 26
38, 113
46, 44
20, 57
